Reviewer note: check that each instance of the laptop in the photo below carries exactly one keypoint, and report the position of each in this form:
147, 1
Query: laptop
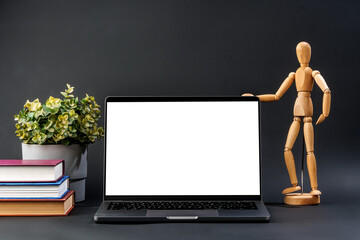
182, 159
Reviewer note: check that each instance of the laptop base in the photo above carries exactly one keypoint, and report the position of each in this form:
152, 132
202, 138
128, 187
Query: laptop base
103, 215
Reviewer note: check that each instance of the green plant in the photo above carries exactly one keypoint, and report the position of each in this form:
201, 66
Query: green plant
66, 121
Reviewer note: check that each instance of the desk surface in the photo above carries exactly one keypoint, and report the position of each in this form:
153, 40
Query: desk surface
326, 221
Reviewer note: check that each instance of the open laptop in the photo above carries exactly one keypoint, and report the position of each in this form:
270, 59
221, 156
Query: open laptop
182, 159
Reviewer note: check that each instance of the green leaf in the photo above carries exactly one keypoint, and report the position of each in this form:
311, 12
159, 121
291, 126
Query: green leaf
38, 113
65, 142
46, 109
30, 114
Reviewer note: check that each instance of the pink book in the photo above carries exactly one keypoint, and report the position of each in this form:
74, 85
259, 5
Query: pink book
31, 170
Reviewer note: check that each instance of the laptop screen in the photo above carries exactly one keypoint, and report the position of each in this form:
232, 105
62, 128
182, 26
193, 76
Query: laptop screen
182, 148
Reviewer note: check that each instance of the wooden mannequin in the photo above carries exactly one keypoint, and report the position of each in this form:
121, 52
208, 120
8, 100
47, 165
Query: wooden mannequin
303, 110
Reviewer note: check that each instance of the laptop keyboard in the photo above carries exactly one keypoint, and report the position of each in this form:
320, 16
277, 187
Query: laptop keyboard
198, 205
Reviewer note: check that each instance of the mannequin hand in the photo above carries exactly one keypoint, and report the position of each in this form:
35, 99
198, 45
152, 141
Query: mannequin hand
247, 95
320, 119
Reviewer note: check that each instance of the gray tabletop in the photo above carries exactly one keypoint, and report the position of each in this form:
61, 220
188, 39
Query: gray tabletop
325, 221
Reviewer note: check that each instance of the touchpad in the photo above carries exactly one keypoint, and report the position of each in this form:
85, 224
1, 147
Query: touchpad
187, 213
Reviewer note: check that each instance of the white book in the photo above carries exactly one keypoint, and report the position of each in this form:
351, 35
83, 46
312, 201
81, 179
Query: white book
35, 190
31, 170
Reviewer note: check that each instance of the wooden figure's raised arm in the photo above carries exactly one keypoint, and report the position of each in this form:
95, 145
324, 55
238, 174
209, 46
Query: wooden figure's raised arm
280, 92
320, 81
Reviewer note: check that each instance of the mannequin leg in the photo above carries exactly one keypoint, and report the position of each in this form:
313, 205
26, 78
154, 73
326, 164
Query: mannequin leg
310, 157
289, 157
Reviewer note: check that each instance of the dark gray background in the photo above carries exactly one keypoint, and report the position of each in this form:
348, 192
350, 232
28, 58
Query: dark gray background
191, 48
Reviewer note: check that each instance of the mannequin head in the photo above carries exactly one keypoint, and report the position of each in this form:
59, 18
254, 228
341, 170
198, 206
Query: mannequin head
303, 52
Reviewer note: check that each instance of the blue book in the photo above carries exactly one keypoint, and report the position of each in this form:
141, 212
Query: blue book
34, 190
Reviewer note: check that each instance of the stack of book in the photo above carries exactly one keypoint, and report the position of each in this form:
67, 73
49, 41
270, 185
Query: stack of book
34, 188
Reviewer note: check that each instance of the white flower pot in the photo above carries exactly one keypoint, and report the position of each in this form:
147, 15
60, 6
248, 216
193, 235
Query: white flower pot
75, 157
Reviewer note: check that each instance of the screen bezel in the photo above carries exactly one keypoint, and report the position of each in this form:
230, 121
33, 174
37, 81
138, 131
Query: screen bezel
179, 99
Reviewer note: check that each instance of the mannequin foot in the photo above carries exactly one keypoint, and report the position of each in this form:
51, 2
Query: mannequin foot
314, 191
291, 189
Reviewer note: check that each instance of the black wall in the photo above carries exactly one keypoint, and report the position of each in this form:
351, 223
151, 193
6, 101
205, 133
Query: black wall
191, 48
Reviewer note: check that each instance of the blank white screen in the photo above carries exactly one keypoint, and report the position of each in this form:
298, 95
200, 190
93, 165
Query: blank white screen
182, 148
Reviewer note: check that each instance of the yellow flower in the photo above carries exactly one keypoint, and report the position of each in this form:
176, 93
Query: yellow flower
28, 127
21, 134
70, 88
73, 114
39, 113
92, 138
33, 106
39, 138
88, 118
62, 121
53, 103
58, 137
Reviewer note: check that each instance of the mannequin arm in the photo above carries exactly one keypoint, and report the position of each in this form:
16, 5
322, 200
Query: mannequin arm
320, 81
280, 92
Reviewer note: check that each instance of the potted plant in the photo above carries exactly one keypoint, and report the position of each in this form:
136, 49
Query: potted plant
61, 129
